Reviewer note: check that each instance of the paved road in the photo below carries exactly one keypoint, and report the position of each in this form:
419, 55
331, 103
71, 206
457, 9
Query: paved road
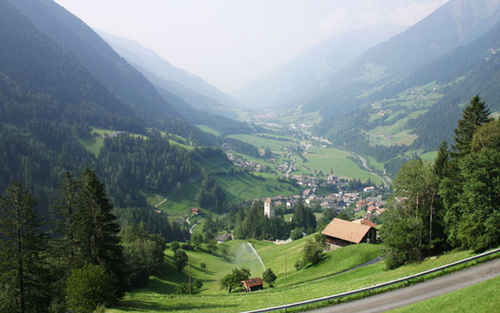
419, 292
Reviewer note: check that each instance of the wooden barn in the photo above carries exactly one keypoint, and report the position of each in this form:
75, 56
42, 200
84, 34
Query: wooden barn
341, 233
252, 284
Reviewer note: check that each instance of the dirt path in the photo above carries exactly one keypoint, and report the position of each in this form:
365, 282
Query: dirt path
419, 292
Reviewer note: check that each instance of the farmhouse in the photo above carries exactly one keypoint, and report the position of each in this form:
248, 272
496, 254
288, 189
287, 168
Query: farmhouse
340, 233
252, 284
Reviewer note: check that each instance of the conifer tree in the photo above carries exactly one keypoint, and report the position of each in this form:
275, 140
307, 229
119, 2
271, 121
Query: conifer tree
475, 115
21, 246
97, 228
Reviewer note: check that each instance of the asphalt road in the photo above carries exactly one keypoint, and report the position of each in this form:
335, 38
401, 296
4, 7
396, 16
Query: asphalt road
419, 292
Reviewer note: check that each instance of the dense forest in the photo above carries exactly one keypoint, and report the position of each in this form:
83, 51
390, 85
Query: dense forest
78, 257
452, 203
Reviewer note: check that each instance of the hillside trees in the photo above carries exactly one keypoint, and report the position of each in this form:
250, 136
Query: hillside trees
452, 203
303, 217
22, 244
269, 277
475, 115
250, 222
88, 287
143, 253
233, 279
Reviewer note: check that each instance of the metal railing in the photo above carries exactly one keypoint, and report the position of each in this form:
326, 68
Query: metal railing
374, 287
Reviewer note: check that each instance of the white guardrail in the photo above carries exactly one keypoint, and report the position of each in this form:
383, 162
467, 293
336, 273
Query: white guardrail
361, 290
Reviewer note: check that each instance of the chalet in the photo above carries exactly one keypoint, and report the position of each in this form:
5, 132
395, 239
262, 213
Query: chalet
341, 233
252, 284
195, 211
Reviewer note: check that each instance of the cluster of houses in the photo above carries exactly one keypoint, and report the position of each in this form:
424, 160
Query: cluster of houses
374, 206
245, 164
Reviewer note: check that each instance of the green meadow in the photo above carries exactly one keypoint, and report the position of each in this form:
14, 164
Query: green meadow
480, 298
327, 278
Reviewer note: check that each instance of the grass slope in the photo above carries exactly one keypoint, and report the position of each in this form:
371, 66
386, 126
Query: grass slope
341, 162
480, 298
246, 187
212, 300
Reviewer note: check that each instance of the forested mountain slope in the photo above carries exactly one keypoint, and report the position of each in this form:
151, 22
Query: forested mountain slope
455, 24
39, 79
75, 37
52, 110
419, 112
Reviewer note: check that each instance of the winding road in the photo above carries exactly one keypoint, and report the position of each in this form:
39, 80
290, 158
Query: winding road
419, 292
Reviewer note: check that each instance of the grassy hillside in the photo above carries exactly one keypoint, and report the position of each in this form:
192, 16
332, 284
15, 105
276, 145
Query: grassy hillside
282, 258
246, 187
158, 297
480, 298
209, 130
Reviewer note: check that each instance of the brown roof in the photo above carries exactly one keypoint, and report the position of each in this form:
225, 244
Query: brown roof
345, 230
253, 282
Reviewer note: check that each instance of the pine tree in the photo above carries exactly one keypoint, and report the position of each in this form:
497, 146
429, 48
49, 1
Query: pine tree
441, 164
97, 227
476, 114
21, 246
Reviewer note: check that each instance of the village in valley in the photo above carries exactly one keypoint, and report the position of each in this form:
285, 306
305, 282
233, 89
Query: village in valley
321, 190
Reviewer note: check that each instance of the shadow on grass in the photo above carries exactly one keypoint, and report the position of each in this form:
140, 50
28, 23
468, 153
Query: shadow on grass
319, 278
144, 306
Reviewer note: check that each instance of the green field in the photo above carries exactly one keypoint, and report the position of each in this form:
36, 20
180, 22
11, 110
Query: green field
299, 285
276, 146
429, 156
480, 298
325, 159
208, 130
282, 258
247, 187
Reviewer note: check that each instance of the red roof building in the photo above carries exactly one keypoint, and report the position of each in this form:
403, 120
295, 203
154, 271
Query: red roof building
252, 284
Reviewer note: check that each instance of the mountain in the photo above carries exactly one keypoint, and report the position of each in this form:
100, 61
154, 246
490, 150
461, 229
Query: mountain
299, 80
455, 24
40, 79
193, 89
75, 37
415, 113
194, 99
56, 116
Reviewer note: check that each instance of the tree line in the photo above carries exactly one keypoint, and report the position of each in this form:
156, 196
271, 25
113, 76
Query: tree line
452, 203
77, 258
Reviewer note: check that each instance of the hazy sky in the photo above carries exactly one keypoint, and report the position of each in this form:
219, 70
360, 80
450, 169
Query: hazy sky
230, 42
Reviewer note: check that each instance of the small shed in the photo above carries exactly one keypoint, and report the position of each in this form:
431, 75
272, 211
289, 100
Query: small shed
252, 284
